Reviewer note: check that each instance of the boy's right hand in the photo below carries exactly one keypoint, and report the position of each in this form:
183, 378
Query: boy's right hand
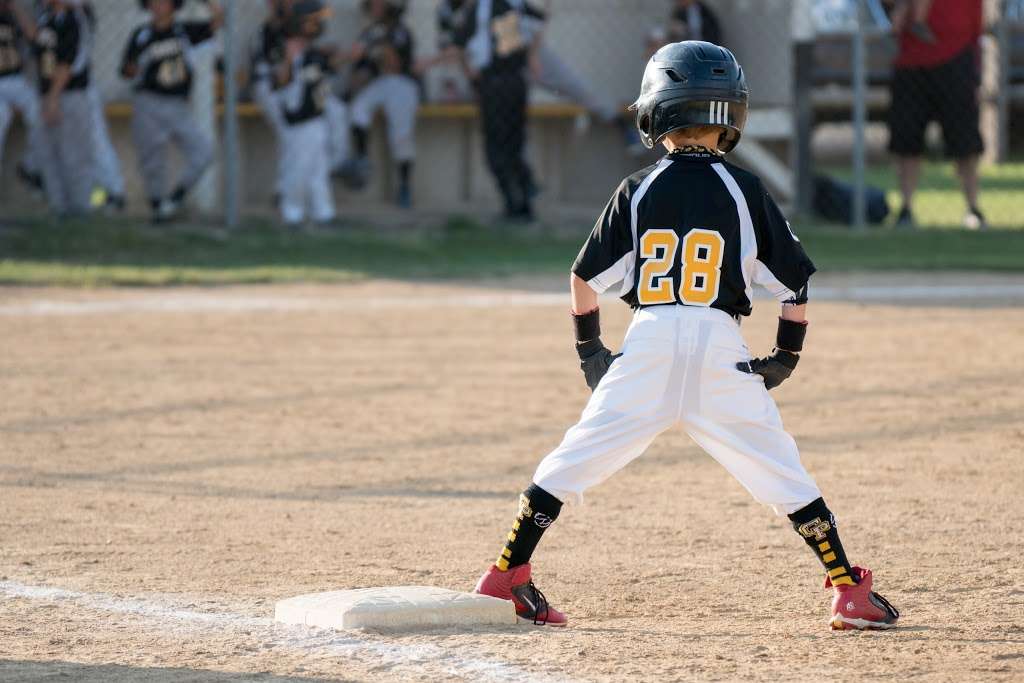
595, 359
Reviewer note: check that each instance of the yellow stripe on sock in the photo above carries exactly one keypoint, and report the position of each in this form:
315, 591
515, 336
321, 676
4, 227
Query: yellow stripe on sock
502, 564
515, 527
843, 581
838, 571
511, 537
828, 557
824, 547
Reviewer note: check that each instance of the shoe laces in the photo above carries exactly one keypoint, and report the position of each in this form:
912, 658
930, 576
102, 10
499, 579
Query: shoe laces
893, 612
541, 604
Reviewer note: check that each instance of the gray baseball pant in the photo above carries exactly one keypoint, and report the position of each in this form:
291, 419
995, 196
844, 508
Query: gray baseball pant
399, 97
16, 93
108, 166
66, 151
157, 121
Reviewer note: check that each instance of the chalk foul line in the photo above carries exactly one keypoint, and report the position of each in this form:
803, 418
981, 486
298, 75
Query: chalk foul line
373, 650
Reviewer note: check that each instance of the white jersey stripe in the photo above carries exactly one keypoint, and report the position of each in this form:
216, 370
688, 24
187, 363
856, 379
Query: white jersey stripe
711, 112
753, 269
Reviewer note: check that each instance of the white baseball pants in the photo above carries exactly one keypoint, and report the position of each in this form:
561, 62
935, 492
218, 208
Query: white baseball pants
306, 181
399, 97
678, 366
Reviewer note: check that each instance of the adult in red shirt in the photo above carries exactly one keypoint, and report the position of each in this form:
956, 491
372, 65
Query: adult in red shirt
936, 77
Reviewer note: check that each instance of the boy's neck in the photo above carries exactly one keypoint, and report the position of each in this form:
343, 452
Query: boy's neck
708, 142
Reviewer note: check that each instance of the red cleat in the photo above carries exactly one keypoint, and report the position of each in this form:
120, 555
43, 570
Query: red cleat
857, 607
517, 586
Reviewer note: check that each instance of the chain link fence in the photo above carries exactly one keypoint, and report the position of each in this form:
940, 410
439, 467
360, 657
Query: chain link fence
863, 112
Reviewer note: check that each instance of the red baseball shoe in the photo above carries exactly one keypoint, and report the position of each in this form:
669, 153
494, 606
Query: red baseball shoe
857, 607
517, 586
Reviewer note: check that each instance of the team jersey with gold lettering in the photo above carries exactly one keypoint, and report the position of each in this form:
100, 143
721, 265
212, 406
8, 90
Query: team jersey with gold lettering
694, 230
303, 99
61, 40
10, 44
494, 35
163, 57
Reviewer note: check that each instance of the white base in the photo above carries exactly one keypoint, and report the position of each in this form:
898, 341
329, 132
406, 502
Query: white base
394, 608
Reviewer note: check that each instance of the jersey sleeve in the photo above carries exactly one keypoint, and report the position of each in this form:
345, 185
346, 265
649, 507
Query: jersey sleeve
603, 260
783, 268
198, 31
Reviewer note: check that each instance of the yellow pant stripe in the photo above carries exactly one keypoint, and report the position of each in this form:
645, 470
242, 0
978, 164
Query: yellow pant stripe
515, 527
502, 564
506, 553
511, 537
833, 573
828, 557
824, 547
843, 581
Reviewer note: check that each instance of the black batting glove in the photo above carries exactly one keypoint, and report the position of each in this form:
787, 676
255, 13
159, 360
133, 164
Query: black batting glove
776, 368
595, 358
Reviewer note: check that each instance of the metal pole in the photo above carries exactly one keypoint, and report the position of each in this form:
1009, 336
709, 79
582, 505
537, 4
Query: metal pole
231, 167
860, 88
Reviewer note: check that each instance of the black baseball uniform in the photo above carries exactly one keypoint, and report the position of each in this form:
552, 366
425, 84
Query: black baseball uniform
694, 229
496, 46
159, 61
10, 45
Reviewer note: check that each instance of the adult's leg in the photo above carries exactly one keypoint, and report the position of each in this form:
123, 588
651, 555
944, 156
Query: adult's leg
502, 106
400, 108
294, 180
909, 171
960, 117
967, 169
558, 76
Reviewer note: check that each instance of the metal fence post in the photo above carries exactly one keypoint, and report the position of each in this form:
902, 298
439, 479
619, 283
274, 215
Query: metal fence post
231, 168
859, 118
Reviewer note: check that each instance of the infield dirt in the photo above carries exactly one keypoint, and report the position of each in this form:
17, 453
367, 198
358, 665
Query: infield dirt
170, 455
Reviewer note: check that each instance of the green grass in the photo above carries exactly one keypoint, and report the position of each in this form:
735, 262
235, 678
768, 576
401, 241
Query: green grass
120, 252
939, 201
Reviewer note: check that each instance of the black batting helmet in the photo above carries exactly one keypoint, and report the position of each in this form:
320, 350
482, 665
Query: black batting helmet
692, 83
178, 4
305, 18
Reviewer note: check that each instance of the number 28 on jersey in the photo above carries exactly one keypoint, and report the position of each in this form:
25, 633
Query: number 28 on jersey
699, 256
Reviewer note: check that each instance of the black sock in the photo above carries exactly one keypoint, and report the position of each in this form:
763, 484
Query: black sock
361, 137
404, 173
537, 510
155, 202
179, 193
817, 526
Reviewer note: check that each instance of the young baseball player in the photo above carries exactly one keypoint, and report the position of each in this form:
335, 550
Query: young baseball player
65, 153
158, 60
302, 87
688, 238
16, 93
267, 54
382, 75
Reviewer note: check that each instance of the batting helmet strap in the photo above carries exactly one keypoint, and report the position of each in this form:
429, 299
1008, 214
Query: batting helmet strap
692, 83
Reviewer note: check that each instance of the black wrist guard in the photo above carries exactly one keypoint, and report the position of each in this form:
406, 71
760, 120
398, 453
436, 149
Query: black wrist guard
588, 348
587, 326
790, 336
